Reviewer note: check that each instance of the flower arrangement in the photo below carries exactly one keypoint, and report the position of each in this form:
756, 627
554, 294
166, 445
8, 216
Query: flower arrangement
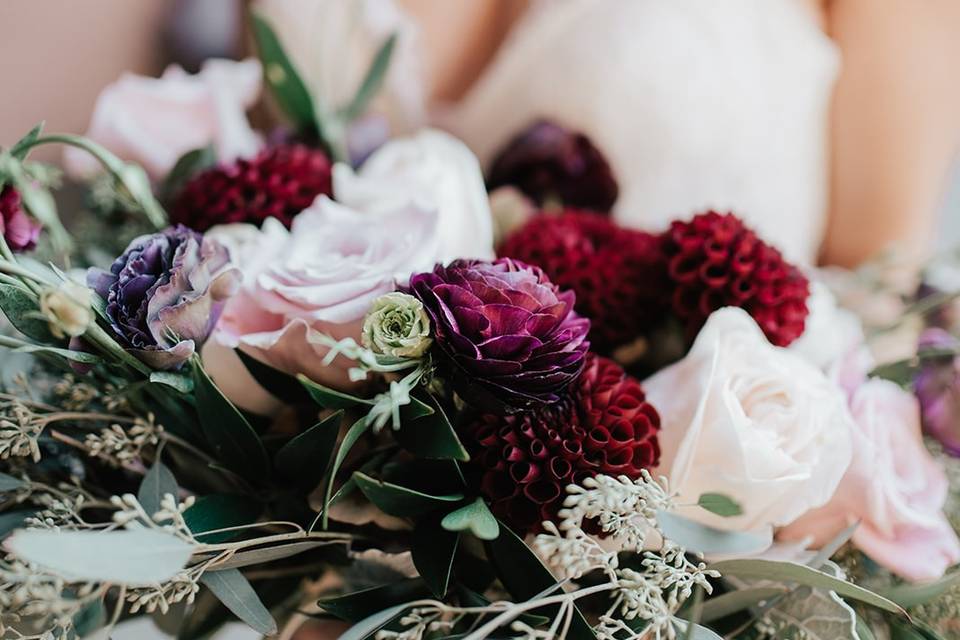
310, 386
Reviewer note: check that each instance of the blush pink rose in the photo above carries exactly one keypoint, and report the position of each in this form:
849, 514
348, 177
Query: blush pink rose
154, 121
320, 276
893, 487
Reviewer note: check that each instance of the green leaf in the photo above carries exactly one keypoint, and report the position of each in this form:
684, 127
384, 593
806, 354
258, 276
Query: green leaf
475, 518
158, 482
356, 606
698, 632
304, 460
136, 557
722, 505
330, 398
400, 501
91, 617
9, 483
915, 631
178, 381
704, 539
433, 550
13, 520
372, 82
187, 166
863, 630
371, 624
265, 555
280, 384
288, 89
22, 147
235, 592
68, 354
38, 200
431, 436
757, 569
729, 603
216, 511
353, 435
524, 576
23, 313
234, 441
911, 595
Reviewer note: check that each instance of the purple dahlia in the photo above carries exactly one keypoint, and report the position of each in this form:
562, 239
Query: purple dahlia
506, 336
165, 294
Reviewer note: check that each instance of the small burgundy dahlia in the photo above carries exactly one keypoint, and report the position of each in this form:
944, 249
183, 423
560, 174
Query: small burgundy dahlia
716, 261
16, 227
548, 162
279, 182
525, 461
617, 273
507, 337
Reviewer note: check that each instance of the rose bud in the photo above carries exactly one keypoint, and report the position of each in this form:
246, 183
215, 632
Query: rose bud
17, 229
165, 294
67, 309
397, 325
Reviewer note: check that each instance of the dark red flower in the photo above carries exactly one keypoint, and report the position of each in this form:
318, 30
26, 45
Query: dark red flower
548, 162
716, 261
16, 227
279, 182
617, 274
524, 462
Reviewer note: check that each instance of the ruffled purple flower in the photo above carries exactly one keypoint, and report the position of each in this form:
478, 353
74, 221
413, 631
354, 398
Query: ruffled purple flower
16, 227
506, 336
937, 387
549, 162
165, 294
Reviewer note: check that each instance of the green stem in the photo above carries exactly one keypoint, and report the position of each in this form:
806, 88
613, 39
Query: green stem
100, 338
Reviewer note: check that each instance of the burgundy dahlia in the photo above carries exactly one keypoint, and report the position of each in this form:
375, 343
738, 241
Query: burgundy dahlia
507, 337
16, 227
617, 273
548, 162
525, 461
716, 261
279, 182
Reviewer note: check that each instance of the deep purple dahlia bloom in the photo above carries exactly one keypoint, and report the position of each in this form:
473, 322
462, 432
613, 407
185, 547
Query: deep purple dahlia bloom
547, 161
937, 386
506, 336
165, 294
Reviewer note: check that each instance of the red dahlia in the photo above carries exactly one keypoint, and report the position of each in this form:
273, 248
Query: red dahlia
617, 273
279, 182
525, 461
715, 261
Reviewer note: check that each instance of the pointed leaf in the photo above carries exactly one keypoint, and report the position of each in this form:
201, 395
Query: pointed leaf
178, 381
356, 606
475, 518
729, 603
22, 311
12, 520
235, 592
23, 145
216, 511
697, 632
708, 540
400, 501
433, 550
330, 398
288, 89
911, 595
187, 166
353, 435
304, 460
67, 354
722, 505
372, 82
265, 555
158, 482
370, 625
280, 384
9, 483
432, 435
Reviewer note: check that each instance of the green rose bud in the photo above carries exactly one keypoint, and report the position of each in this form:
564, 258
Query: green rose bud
397, 325
67, 309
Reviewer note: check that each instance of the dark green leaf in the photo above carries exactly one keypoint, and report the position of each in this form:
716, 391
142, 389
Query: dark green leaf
353, 434
729, 603
400, 501
234, 441
90, 618
233, 590
433, 550
330, 398
68, 354
22, 311
9, 483
272, 553
722, 505
220, 511
373, 623
525, 577
158, 482
354, 607
431, 436
282, 385
288, 89
697, 632
23, 145
12, 520
205, 616
475, 518
178, 381
913, 630
188, 165
911, 595
704, 539
372, 82
304, 460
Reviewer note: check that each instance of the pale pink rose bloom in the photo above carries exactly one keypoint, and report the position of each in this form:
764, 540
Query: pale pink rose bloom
893, 487
154, 121
320, 276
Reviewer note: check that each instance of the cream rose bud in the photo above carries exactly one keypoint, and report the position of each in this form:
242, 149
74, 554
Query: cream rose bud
397, 325
752, 421
67, 309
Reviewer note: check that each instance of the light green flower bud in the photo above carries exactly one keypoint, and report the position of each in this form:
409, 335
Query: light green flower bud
67, 309
397, 325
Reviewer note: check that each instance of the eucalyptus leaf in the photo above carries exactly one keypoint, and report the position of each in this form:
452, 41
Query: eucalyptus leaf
9, 483
22, 311
729, 603
371, 624
708, 540
433, 549
372, 82
304, 460
134, 558
81, 357
275, 552
910, 595
276, 382
330, 398
401, 501
353, 435
179, 382
158, 482
475, 518
720, 504
288, 88
236, 594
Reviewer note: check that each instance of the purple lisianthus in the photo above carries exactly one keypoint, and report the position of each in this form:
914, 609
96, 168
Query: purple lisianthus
549, 162
16, 227
165, 294
938, 388
507, 337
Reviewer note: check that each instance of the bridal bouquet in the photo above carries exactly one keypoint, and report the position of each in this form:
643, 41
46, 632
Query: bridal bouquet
317, 373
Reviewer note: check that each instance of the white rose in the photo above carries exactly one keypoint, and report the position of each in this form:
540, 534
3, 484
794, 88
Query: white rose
431, 169
752, 421
154, 121
831, 331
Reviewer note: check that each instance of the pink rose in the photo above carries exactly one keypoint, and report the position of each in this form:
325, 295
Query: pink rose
320, 276
154, 121
893, 487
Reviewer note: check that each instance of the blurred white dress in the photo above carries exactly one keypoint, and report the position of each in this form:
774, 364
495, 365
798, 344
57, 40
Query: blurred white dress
696, 103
